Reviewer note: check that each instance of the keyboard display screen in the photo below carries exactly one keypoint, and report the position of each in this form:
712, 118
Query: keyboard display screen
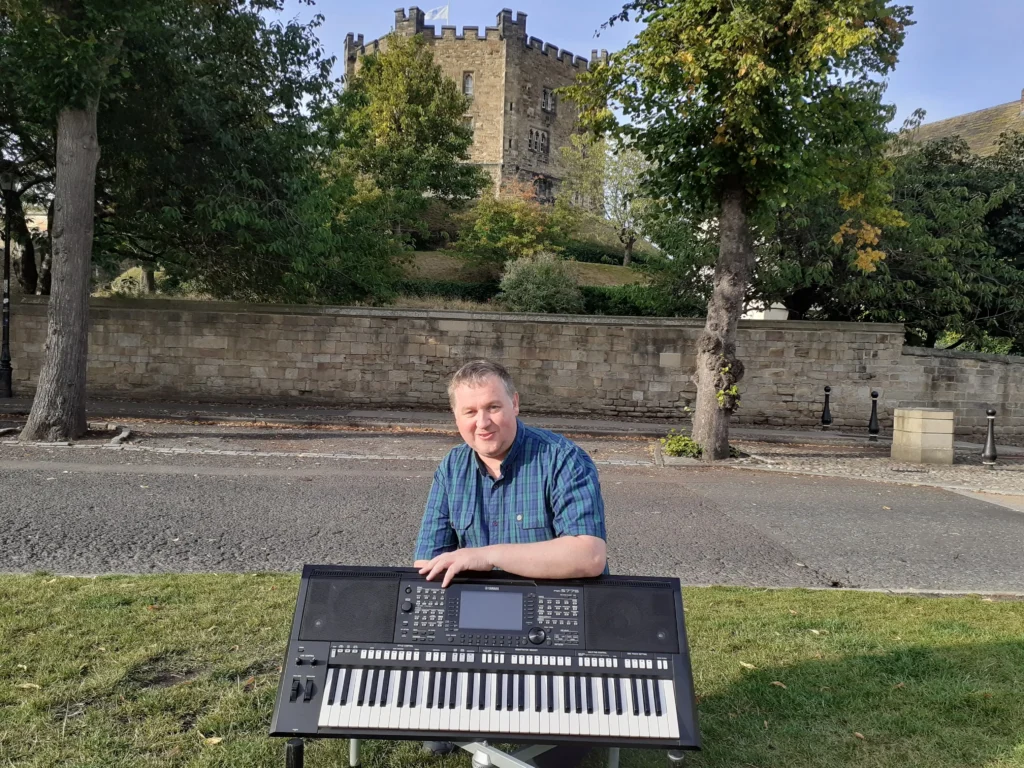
498, 611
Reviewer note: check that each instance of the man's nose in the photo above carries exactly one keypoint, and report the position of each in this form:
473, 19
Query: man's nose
483, 419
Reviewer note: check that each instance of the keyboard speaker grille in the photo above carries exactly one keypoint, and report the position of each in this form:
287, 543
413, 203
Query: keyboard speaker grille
350, 609
638, 619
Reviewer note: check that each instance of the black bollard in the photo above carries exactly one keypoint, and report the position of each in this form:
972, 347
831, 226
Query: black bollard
294, 753
826, 415
988, 456
873, 424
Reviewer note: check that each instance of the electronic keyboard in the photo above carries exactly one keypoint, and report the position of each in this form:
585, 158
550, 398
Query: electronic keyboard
383, 653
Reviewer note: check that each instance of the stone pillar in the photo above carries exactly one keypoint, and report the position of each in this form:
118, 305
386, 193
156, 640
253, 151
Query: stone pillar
922, 435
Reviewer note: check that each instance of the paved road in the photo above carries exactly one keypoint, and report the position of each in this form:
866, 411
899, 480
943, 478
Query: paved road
72, 510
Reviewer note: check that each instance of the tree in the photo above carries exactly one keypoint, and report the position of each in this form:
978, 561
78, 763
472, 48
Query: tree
732, 102
401, 123
501, 229
605, 180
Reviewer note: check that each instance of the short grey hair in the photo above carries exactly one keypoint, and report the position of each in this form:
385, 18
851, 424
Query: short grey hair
474, 372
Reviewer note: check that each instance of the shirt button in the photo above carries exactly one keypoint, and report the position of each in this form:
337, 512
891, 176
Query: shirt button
519, 517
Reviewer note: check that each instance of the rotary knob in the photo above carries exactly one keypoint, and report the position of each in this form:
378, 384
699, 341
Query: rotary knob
537, 635
406, 606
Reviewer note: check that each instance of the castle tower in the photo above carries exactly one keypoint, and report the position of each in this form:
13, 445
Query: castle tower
519, 124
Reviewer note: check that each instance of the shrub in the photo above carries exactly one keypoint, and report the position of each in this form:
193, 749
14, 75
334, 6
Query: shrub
449, 289
677, 444
541, 283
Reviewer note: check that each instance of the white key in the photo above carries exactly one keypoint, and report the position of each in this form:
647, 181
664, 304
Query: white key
338, 711
416, 710
668, 701
563, 716
603, 720
620, 722
361, 716
587, 724
513, 713
659, 725
444, 715
350, 712
394, 711
504, 716
325, 708
493, 720
375, 710
434, 714
645, 721
574, 719
532, 715
474, 712
403, 711
460, 715
627, 707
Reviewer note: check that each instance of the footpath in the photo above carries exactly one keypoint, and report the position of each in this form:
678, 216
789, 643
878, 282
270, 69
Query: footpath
835, 453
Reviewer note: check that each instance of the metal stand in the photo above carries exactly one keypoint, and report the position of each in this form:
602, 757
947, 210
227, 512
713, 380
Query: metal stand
294, 754
353, 753
485, 755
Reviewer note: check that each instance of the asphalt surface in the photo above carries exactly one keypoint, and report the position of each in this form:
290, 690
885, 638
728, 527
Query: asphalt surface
89, 511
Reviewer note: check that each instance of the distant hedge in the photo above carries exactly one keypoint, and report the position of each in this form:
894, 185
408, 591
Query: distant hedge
633, 301
449, 289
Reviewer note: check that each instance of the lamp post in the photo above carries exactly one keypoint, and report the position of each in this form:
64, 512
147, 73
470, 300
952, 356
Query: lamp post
6, 187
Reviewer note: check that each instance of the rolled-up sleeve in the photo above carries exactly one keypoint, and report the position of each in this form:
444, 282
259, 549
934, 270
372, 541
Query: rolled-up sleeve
578, 506
436, 533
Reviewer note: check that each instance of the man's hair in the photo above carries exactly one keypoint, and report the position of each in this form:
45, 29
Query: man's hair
473, 374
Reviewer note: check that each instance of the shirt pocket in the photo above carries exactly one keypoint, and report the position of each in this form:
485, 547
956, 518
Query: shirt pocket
463, 520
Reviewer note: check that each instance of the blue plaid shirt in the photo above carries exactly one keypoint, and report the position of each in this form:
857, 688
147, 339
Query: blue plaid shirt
548, 488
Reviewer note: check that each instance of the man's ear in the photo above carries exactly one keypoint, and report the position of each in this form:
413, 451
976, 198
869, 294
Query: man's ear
515, 403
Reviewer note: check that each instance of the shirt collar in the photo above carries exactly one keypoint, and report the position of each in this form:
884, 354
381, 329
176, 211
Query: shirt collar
513, 452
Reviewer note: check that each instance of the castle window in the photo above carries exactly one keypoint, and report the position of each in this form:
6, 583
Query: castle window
511, 106
467, 84
532, 142
544, 142
548, 100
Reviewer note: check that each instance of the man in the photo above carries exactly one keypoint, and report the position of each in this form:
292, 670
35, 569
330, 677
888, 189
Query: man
514, 497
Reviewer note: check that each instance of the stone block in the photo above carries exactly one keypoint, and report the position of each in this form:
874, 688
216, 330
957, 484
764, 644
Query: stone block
670, 360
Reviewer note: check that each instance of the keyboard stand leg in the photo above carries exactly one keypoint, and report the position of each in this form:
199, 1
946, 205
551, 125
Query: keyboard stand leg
353, 753
485, 755
293, 753
676, 757
613, 757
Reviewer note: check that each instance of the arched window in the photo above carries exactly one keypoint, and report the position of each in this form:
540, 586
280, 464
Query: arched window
467, 84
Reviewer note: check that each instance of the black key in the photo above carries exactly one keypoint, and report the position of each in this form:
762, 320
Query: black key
636, 701
469, 690
441, 689
384, 690
657, 699
401, 688
522, 691
579, 698
510, 688
334, 686
430, 691
497, 693
604, 688
566, 692
454, 690
647, 701
536, 693
344, 688
590, 695
618, 695
551, 692
362, 687
483, 692
373, 687
415, 688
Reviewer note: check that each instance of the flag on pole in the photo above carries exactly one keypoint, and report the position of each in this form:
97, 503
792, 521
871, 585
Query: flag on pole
437, 14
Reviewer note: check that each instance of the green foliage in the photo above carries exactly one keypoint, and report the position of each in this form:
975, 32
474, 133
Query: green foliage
590, 252
540, 283
400, 122
449, 289
678, 444
637, 300
501, 229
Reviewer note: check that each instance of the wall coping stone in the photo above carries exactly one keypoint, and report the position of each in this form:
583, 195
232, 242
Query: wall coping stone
962, 355
229, 307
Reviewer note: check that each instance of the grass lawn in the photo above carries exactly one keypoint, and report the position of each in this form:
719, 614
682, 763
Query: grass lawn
182, 670
435, 265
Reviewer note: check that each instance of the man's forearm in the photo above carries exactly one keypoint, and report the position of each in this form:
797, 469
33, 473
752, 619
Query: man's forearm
567, 557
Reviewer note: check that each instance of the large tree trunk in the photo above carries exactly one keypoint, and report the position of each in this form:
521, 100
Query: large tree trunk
627, 256
718, 370
45, 267
58, 412
27, 274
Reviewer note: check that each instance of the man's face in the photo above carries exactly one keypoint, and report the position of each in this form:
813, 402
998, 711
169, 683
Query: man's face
486, 417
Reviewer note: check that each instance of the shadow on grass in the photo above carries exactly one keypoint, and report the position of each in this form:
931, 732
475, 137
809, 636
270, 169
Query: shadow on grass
934, 707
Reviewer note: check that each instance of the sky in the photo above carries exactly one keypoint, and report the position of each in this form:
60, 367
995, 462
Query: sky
960, 56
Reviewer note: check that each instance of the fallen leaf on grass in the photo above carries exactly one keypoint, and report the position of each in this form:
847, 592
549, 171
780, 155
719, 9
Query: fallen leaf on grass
778, 684
214, 740
234, 647
859, 735
899, 685
153, 607
819, 631
249, 683
22, 667
882, 508
793, 613
745, 665
28, 686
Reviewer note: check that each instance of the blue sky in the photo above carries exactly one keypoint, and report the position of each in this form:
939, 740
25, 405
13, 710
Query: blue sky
961, 55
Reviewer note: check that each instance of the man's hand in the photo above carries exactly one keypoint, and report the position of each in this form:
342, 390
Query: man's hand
452, 563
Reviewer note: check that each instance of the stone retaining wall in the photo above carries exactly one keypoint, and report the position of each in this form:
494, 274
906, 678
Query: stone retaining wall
601, 366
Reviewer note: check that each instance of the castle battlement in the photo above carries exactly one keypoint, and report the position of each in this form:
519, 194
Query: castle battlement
552, 51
